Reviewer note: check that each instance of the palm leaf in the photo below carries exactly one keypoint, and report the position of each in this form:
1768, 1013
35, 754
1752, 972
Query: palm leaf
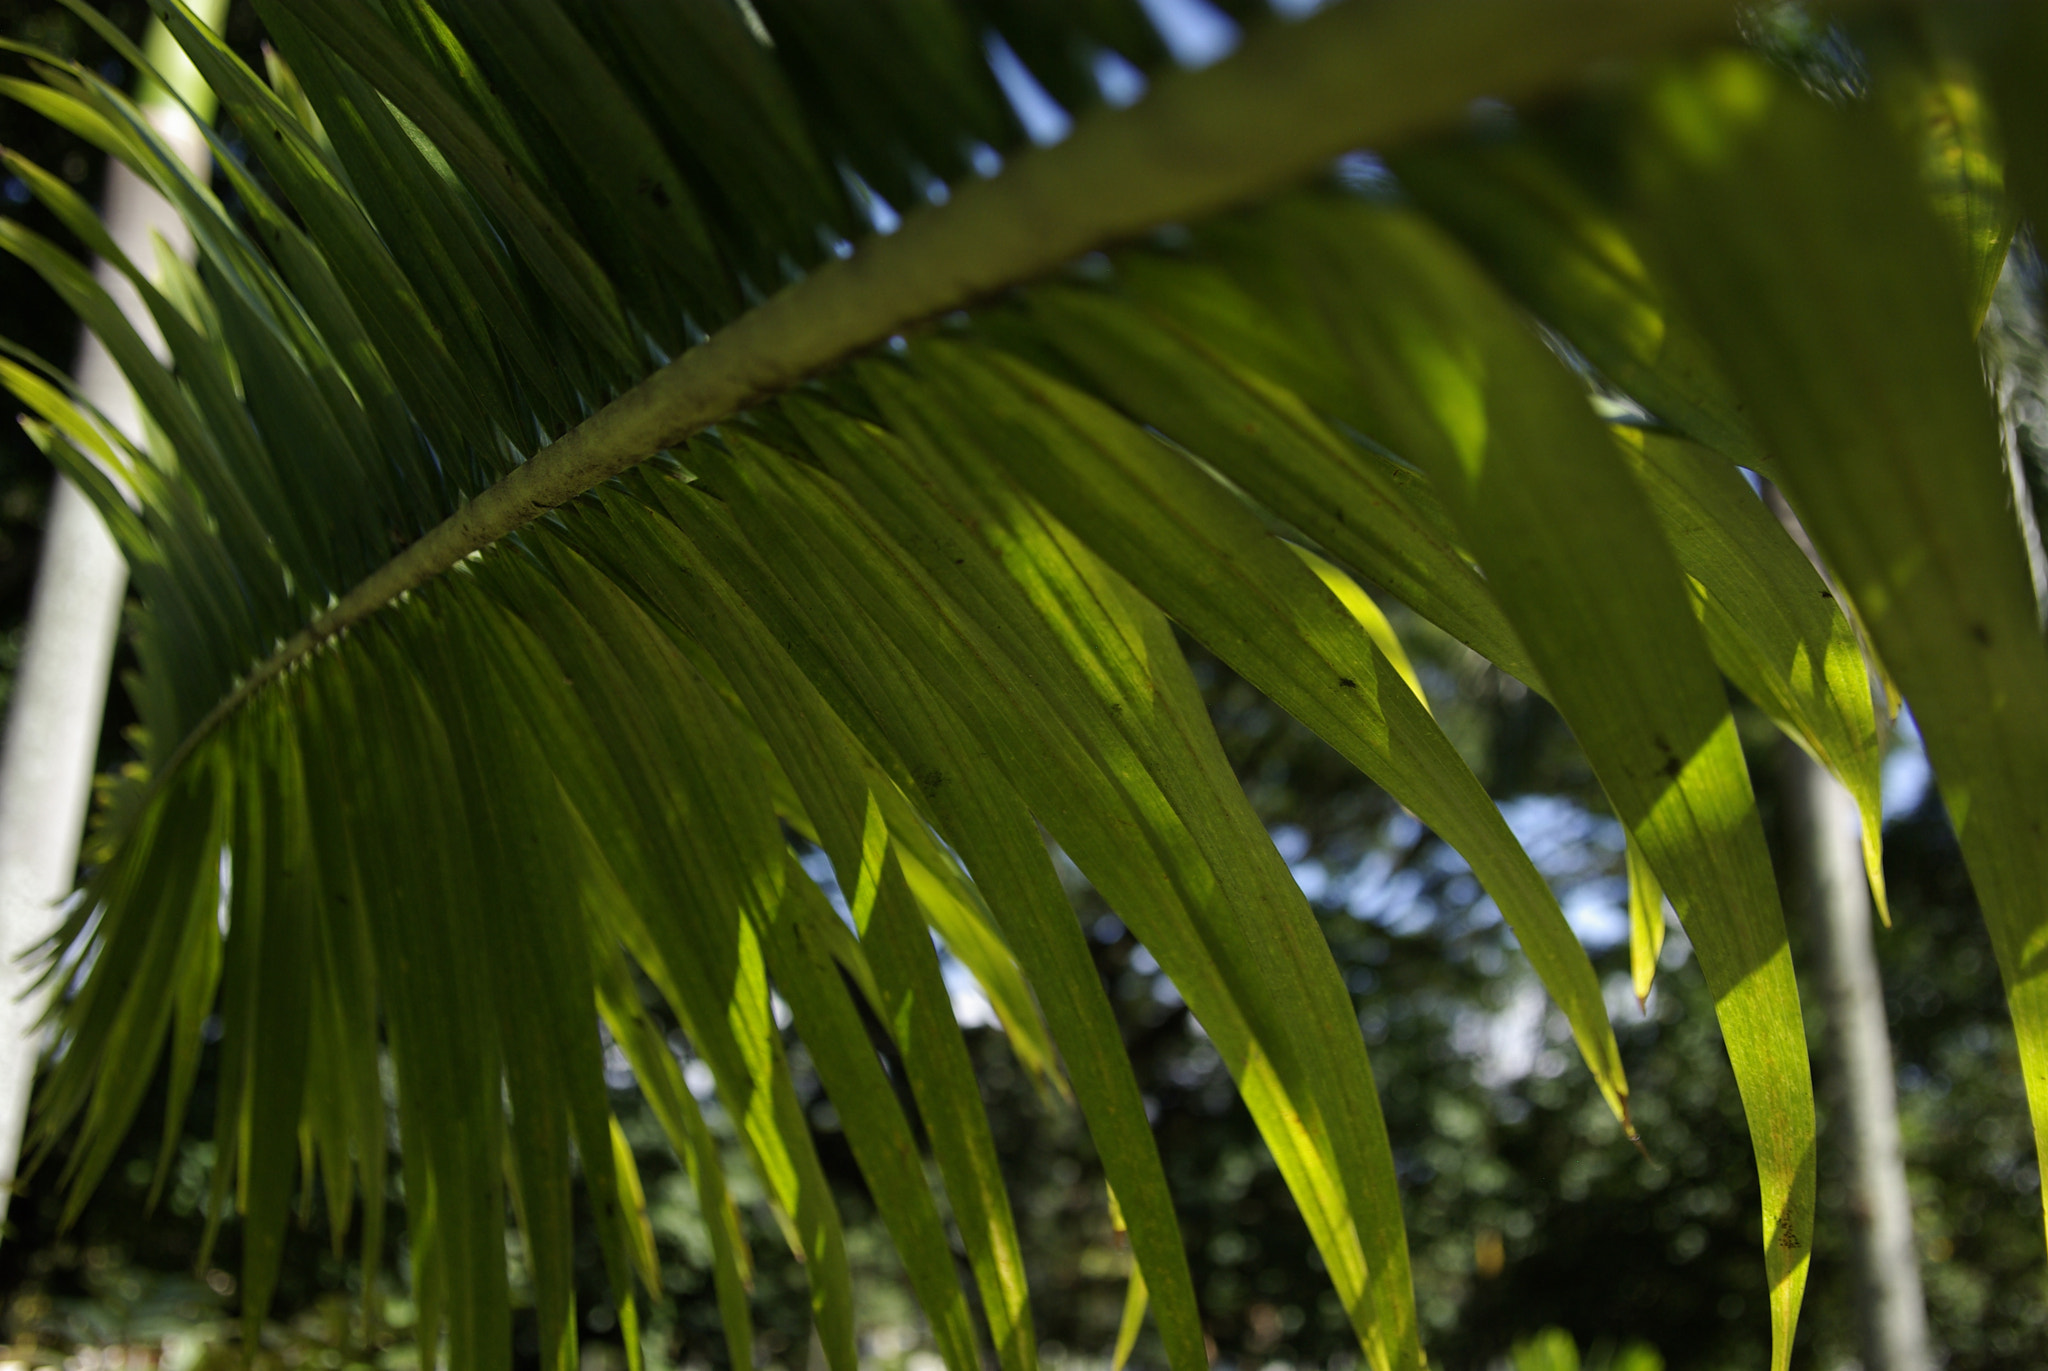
1921, 537
551, 513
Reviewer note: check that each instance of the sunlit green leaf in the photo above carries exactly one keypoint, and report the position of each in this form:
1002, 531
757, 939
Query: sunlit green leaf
1857, 348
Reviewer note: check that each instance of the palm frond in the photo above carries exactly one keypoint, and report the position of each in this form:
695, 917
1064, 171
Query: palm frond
551, 513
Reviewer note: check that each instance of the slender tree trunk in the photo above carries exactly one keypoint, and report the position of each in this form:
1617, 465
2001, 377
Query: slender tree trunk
1827, 858
1825, 855
2005, 382
60, 688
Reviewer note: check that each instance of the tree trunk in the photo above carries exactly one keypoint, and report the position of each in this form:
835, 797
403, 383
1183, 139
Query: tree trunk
60, 688
1825, 857
1826, 854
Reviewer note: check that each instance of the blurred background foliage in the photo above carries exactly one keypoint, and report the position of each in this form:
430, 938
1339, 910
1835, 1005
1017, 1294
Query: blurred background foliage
1537, 1230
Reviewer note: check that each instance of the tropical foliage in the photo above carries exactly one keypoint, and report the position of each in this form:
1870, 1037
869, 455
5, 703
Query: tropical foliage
582, 484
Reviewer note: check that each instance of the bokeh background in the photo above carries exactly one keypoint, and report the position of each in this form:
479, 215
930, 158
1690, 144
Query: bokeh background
1527, 1210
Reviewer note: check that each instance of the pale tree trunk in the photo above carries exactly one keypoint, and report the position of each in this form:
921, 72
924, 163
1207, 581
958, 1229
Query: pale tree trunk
1826, 854
60, 687
1825, 857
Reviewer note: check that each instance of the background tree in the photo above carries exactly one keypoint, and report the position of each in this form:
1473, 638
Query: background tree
56, 699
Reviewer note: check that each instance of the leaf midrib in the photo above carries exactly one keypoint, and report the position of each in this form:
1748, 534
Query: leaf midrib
1296, 95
